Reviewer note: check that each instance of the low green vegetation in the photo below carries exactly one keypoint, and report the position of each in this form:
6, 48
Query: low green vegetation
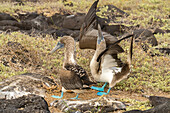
149, 74
136, 104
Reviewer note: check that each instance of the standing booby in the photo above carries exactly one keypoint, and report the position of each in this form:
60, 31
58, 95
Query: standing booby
88, 37
73, 77
104, 68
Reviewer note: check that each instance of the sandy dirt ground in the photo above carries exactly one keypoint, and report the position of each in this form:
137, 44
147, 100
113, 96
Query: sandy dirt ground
93, 94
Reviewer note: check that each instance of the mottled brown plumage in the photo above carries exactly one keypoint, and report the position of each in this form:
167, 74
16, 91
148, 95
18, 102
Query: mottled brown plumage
78, 70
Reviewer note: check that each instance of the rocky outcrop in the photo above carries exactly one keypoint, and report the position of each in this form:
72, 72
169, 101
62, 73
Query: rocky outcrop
25, 84
24, 104
104, 105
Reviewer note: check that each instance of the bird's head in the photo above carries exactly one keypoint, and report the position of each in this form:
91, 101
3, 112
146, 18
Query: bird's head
64, 41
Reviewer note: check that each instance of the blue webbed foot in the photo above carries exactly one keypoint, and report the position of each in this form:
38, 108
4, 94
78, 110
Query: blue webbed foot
101, 93
104, 93
97, 88
58, 96
76, 97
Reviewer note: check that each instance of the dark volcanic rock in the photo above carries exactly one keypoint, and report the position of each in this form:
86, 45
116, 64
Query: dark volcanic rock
145, 37
156, 100
164, 50
115, 30
24, 104
40, 22
160, 31
56, 19
27, 16
73, 22
12, 28
112, 12
9, 23
157, 30
145, 34
4, 16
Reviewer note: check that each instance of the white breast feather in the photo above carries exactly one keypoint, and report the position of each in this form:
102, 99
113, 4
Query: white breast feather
109, 68
72, 59
116, 69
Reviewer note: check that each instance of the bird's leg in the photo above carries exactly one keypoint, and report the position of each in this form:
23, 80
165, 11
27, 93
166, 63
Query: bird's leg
76, 97
99, 88
101, 97
58, 96
104, 93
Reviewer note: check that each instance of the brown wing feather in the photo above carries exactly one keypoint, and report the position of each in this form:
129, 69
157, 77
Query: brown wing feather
88, 35
79, 71
125, 69
112, 47
89, 21
70, 80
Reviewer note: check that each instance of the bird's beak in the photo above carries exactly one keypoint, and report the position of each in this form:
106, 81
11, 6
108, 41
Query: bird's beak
58, 46
100, 35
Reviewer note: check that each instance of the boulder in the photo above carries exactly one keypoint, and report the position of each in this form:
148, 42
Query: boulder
24, 104
101, 104
24, 84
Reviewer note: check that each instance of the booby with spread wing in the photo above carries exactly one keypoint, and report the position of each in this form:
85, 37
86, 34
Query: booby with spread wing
88, 37
103, 66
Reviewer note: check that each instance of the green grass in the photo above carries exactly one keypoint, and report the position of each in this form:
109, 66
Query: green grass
150, 74
135, 104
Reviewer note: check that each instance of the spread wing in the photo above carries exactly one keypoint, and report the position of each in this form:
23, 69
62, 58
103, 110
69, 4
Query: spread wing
89, 20
109, 62
89, 23
113, 46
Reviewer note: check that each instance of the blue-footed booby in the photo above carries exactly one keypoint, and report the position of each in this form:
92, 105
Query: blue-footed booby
88, 37
73, 77
103, 66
